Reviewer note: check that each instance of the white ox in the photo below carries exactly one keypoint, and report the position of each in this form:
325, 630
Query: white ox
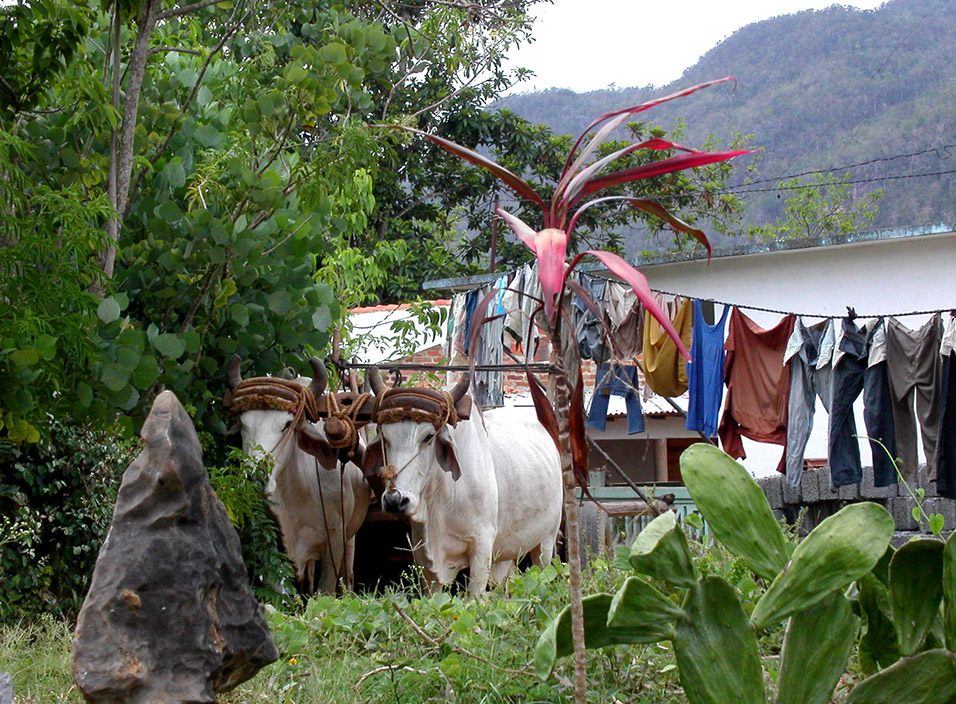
319, 508
480, 495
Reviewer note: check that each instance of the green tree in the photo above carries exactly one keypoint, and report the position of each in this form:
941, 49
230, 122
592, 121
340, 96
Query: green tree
820, 207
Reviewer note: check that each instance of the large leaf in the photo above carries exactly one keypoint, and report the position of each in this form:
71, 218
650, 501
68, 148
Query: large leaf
816, 646
543, 409
638, 282
916, 590
578, 434
515, 182
879, 644
716, 647
949, 591
555, 641
735, 507
660, 551
927, 678
840, 550
626, 112
658, 168
650, 615
648, 206
577, 182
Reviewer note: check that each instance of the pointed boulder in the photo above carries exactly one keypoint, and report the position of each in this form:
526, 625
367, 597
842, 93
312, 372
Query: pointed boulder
169, 616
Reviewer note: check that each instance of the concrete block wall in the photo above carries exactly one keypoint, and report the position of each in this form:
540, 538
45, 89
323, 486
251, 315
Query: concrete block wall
818, 499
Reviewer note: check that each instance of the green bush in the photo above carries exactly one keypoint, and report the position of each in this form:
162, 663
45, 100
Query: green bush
240, 485
56, 503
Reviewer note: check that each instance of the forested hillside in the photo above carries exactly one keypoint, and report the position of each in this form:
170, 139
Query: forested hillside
817, 90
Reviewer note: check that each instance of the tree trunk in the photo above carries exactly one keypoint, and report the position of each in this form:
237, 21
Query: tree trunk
562, 404
121, 149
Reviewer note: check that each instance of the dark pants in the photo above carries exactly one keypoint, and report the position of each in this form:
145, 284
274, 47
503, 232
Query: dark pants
946, 449
915, 373
850, 376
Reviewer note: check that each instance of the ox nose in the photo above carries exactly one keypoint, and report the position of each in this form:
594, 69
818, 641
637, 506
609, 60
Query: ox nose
395, 502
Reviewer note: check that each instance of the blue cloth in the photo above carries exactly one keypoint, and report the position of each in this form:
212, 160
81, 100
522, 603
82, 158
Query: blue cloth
619, 380
705, 372
471, 302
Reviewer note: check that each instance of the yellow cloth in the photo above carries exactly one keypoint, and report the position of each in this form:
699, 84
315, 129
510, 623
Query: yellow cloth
664, 369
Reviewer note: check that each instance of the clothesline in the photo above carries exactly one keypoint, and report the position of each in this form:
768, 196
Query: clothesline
808, 315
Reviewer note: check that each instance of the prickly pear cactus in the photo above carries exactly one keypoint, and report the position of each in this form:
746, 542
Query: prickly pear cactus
735, 507
816, 646
916, 590
840, 550
660, 551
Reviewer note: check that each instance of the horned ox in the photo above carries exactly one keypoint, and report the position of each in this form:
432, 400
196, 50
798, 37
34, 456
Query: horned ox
480, 493
319, 508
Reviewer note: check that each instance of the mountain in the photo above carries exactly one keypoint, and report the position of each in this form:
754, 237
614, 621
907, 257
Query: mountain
817, 90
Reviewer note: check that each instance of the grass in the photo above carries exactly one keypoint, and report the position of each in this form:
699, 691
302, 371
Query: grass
397, 648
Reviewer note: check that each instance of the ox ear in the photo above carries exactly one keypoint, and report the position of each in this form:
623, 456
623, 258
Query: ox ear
311, 441
445, 449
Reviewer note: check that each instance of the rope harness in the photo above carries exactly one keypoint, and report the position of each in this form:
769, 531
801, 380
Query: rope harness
269, 393
421, 405
342, 425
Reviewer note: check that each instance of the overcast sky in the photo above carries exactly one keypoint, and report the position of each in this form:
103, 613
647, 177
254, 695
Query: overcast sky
590, 44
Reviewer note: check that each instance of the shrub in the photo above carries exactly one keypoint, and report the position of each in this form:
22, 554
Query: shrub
56, 503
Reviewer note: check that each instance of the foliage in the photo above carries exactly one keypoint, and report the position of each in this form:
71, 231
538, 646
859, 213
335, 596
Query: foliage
903, 598
240, 485
885, 95
250, 193
329, 646
48, 237
822, 207
56, 503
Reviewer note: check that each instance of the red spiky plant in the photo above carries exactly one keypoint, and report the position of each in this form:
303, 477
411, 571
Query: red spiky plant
563, 416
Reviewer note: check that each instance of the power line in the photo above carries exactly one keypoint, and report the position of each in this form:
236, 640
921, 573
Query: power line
743, 189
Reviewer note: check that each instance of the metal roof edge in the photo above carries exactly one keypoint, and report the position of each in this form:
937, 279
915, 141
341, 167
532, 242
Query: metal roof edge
724, 252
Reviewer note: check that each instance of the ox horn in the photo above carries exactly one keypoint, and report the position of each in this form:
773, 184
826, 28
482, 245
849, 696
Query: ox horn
374, 379
320, 377
232, 372
461, 388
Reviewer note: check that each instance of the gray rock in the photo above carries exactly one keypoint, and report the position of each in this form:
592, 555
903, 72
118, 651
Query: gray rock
169, 616
868, 490
825, 485
6, 688
927, 481
810, 486
791, 494
848, 492
772, 489
901, 508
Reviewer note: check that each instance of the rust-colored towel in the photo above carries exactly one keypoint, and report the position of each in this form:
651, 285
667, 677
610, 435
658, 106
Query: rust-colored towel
758, 384
665, 371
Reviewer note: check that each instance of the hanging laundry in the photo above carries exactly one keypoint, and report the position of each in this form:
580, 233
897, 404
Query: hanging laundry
511, 302
705, 372
618, 380
456, 326
946, 449
915, 374
588, 328
471, 302
758, 384
665, 370
625, 316
853, 373
807, 382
